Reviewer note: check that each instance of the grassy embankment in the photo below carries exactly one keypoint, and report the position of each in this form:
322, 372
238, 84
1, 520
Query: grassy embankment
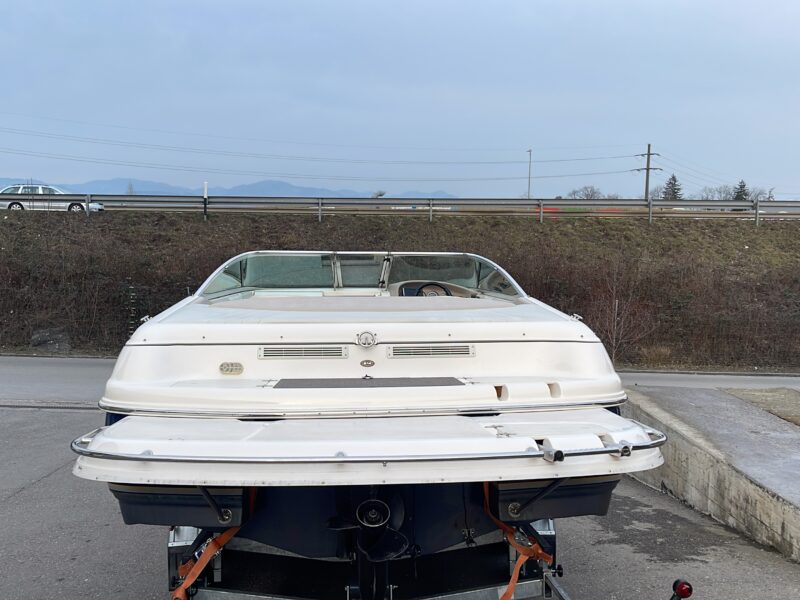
678, 293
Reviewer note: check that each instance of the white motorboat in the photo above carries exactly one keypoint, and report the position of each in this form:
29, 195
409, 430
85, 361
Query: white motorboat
364, 408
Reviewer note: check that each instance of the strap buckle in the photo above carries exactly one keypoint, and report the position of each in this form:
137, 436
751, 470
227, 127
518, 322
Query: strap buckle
202, 548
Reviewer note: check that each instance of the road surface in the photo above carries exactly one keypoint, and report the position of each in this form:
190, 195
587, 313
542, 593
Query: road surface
709, 380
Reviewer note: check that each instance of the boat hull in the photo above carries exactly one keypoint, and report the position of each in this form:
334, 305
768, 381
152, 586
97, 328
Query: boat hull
316, 522
299, 485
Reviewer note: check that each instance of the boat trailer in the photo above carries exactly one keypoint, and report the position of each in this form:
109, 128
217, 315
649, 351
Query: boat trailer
249, 571
246, 570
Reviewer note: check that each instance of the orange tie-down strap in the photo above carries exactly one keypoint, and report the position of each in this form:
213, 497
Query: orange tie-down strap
191, 569
525, 552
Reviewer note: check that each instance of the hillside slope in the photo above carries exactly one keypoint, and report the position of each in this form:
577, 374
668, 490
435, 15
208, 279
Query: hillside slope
689, 293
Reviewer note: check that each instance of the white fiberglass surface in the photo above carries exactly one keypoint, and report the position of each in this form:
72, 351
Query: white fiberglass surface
185, 379
395, 441
252, 307
358, 304
364, 437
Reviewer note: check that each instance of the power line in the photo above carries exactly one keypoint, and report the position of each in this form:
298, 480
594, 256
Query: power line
706, 170
238, 154
303, 143
700, 179
693, 179
700, 173
685, 177
717, 175
658, 176
716, 181
194, 169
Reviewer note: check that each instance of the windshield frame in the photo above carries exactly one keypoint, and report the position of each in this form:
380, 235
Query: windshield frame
337, 277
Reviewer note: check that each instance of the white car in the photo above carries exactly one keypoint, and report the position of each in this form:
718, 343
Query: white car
41, 197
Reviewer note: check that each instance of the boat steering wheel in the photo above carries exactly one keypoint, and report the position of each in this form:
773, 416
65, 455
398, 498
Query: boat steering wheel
432, 284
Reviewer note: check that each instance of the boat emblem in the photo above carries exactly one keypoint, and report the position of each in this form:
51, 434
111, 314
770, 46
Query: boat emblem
231, 368
367, 363
366, 339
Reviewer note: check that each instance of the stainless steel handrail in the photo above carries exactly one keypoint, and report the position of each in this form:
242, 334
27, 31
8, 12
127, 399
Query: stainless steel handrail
429, 411
81, 447
620, 449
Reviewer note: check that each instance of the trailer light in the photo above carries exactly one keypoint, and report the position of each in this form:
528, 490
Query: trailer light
231, 368
682, 589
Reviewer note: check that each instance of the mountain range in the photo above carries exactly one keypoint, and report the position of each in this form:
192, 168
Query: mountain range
266, 187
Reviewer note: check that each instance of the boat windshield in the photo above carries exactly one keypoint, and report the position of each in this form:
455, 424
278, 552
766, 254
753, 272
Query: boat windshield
330, 270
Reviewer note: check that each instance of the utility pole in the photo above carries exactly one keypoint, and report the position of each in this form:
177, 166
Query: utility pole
647, 170
647, 175
530, 160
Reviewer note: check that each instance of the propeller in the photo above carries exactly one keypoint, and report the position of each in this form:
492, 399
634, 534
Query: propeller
376, 539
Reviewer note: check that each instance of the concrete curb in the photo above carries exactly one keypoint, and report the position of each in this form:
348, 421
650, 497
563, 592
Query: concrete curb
699, 474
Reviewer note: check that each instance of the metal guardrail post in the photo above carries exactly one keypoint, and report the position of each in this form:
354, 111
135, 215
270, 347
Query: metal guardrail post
205, 201
430, 210
88, 204
319, 209
758, 212
541, 210
649, 209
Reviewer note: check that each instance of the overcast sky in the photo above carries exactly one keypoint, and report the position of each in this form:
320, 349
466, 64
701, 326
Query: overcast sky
228, 86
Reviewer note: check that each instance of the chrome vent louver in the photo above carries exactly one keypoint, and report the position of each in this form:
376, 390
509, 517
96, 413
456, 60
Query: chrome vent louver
431, 350
267, 352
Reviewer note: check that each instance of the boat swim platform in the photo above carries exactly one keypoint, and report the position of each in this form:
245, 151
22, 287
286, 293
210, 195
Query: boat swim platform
726, 458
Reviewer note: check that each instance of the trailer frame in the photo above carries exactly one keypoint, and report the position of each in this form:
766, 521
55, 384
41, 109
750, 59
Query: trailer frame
542, 586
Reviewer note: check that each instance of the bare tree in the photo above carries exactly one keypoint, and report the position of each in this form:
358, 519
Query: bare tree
379, 194
587, 192
618, 314
757, 194
720, 192
656, 191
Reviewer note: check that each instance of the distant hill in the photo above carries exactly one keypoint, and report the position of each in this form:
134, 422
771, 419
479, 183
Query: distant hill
267, 187
120, 186
271, 187
4, 181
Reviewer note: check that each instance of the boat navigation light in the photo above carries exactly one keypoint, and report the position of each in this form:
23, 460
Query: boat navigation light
682, 589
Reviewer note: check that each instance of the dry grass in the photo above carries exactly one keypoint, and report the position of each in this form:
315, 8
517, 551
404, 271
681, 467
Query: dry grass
678, 292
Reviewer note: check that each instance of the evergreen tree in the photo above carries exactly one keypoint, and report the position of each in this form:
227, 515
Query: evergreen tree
672, 190
741, 193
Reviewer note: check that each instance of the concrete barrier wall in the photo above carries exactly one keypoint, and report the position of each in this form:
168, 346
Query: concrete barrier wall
697, 473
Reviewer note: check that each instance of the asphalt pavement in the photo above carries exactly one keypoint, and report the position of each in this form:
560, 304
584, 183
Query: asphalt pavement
64, 537
54, 381
709, 380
